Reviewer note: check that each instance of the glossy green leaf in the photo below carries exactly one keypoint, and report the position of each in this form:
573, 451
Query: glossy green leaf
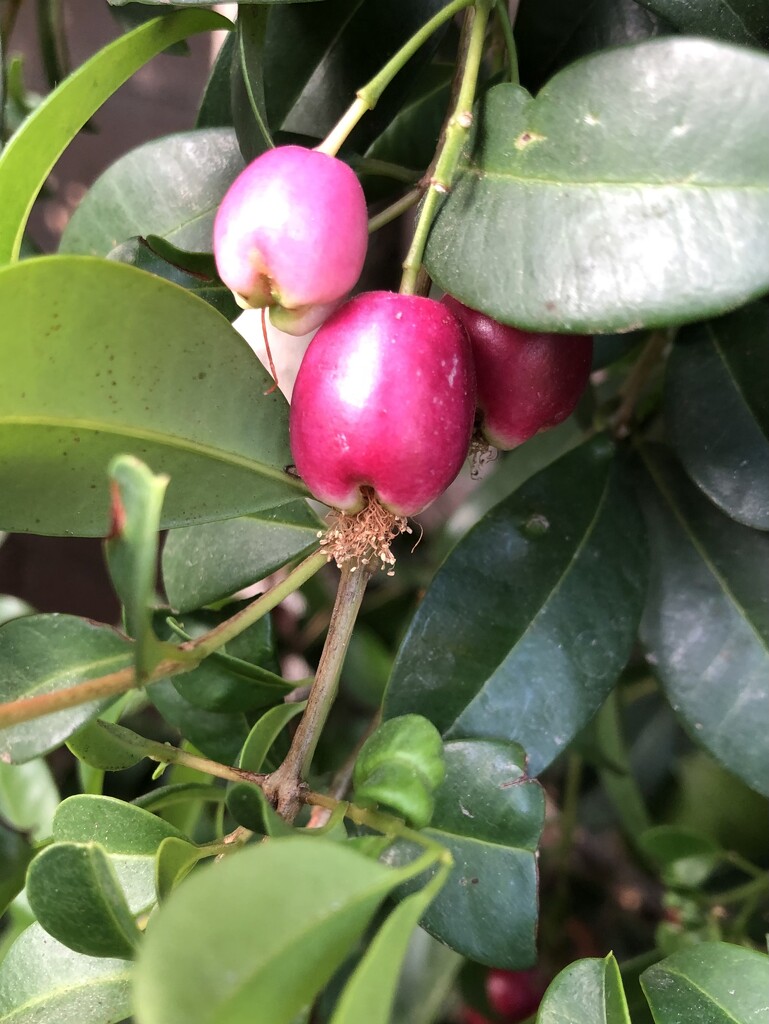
706, 625
215, 111
28, 158
317, 55
550, 34
157, 256
561, 221
586, 990
370, 993
98, 744
247, 100
530, 620
739, 21
280, 919
203, 564
265, 732
43, 653
711, 983
217, 734
15, 855
169, 187
130, 837
75, 895
42, 981
717, 410
489, 815
87, 375
29, 797
175, 859
131, 550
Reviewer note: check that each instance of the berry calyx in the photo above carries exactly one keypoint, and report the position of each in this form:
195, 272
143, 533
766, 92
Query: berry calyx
527, 382
291, 233
383, 405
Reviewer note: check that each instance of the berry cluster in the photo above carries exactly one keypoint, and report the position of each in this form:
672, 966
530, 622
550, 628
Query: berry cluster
392, 386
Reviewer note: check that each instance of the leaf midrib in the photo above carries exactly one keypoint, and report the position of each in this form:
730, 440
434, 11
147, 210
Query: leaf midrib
707, 995
481, 174
462, 837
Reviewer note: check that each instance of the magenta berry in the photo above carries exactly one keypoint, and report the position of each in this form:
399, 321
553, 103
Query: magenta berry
291, 233
526, 382
514, 995
385, 400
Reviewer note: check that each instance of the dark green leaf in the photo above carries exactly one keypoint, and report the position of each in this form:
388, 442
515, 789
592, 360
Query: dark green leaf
42, 981
203, 564
249, 113
250, 808
169, 187
88, 375
215, 111
710, 983
219, 735
43, 653
280, 918
28, 158
706, 626
739, 21
75, 895
147, 254
527, 625
490, 816
317, 55
717, 410
130, 836
29, 797
15, 854
561, 221
587, 990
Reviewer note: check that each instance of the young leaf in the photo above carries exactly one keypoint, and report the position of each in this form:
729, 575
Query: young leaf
203, 564
265, 732
586, 990
712, 983
280, 919
43, 981
75, 895
169, 187
30, 155
489, 815
105, 746
175, 859
29, 797
43, 653
528, 623
718, 374
189, 400
370, 993
639, 235
706, 626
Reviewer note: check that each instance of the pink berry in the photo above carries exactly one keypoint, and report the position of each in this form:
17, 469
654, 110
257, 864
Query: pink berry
291, 233
526, 382
384, 399
514, 995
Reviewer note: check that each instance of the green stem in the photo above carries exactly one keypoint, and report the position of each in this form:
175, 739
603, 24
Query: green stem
285, 785
505, 25
457, 128
384, 169
396, 209
368, 96
27, 708
740, 893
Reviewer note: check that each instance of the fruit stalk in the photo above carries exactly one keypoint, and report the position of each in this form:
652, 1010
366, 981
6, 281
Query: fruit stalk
457, 129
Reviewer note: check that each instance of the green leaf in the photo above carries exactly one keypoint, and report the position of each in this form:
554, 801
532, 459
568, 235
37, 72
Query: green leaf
247, 100
169, 187
75, 895
280, 918
12, 607
42, 981
44, 653
250, 808
215, 109
28, 158
203, 564
427, 980
718, 374
189, 399
157, 256
706, 627
29, 797
712, 983
98, 744
265, 732
370, 993
530, 620
739, 21
175, 859
217, 734
130, 836
687, 858
15, 855
489, 815
131, 551
586, 990
588, 231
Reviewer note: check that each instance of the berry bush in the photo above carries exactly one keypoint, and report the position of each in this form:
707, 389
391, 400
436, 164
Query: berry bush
440, 692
